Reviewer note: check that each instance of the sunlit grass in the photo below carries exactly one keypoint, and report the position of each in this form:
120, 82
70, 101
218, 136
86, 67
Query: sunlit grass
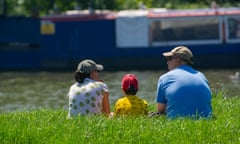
51, 126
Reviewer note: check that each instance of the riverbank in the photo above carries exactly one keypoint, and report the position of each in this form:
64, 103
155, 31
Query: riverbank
51, 126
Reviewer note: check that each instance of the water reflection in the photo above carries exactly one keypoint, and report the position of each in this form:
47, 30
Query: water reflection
24, 90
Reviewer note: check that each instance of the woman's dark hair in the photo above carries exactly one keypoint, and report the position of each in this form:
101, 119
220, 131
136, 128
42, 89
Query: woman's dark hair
79, 77
131, 90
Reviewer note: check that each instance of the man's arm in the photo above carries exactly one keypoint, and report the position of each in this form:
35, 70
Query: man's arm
161, 107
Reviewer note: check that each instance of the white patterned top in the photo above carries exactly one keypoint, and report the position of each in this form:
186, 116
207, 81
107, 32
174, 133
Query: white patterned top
86, 98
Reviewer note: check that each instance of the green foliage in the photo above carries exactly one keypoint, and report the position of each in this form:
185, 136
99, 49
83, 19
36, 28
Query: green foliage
43, 7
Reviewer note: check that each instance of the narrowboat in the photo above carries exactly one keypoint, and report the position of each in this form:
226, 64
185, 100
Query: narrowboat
124, 40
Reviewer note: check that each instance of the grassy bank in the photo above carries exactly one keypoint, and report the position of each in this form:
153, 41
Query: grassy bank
51, 126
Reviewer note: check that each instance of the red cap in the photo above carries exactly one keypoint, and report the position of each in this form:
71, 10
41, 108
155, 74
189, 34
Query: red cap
128, 80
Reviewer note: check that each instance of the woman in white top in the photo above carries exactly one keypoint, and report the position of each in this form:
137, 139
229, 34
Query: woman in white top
88, 95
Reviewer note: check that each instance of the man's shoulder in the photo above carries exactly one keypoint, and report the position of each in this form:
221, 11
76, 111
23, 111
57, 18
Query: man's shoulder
170, 73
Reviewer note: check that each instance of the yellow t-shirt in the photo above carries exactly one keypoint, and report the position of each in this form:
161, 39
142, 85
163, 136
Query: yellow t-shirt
131, 105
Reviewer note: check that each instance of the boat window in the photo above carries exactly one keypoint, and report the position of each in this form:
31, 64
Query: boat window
165, 31
233, 28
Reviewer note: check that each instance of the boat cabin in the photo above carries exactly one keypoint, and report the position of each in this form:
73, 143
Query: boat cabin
154, 28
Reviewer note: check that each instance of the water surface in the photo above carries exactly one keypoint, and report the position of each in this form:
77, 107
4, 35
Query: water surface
32, 90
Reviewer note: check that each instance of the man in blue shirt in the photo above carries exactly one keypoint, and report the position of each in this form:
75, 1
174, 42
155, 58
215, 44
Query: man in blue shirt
183, 91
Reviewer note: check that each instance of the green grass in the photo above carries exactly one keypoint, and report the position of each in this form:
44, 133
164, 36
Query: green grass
51, 127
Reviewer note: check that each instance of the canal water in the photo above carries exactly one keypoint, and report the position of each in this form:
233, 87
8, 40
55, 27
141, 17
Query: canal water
34, 90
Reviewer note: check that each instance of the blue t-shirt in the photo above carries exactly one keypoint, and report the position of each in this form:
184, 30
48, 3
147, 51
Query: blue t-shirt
185, 92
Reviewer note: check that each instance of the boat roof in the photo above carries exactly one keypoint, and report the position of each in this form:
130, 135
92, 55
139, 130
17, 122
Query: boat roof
81, 15
84, 15
193, 12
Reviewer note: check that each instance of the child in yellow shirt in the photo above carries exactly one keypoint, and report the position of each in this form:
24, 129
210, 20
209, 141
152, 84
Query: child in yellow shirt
130, 104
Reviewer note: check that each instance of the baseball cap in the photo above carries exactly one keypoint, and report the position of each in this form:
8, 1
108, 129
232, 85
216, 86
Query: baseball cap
88, 66
181, 51
129, 82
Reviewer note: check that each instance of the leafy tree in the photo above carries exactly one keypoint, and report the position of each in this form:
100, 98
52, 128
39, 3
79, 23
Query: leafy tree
43, 7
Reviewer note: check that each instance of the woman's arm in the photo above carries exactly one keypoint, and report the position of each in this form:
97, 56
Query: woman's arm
105, 103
